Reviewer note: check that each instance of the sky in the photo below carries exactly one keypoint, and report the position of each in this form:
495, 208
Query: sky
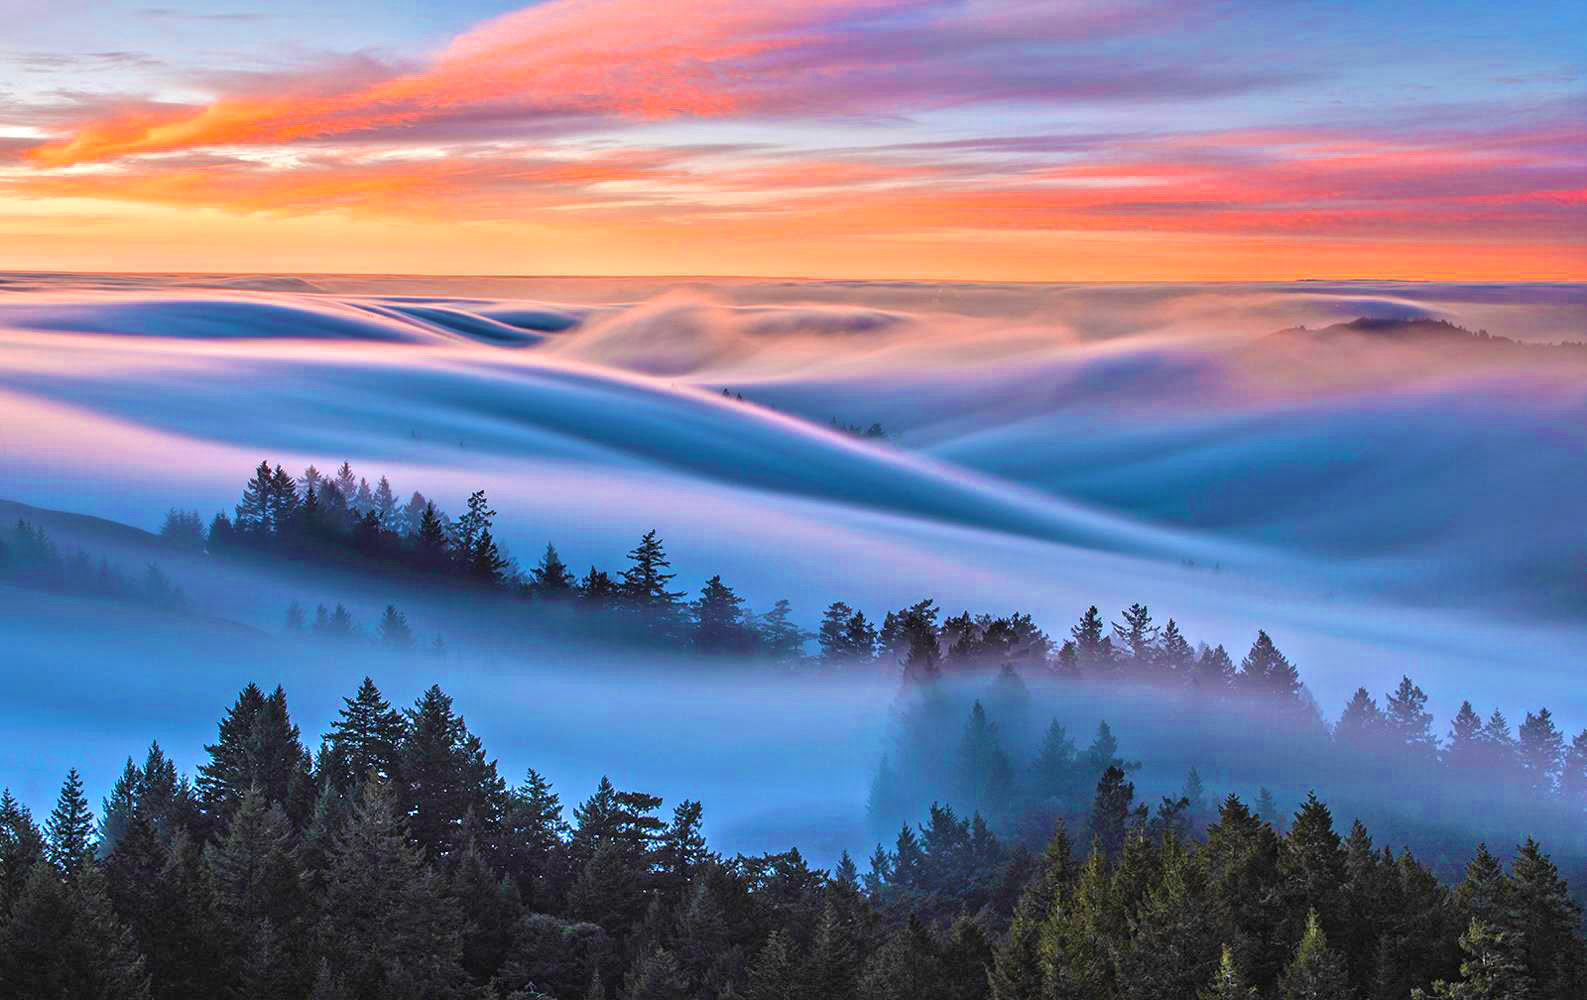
1035, 140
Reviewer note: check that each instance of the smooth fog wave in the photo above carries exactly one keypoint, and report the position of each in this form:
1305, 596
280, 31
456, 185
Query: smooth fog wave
1354, 489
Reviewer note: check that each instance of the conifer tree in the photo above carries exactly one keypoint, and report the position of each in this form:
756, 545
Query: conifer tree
1409, 725
1491, 969
258, 901
832, 636
446, 777
486, 565
69, 830
719, 620
385, 506
489, 907
1136, 639
1213, 674
365, 739
1463, 752
1266, 673
679, 852
1317, 972
430, 545
257, 745
771, 975
1227, 983
1089, 639
1573, 779
63, 940
22, 845
777, 635
1112, 811
985, 774
1174, 653
830, 968
1542, 753
1548, 923
393, 628
655, 976
535, 831
389, 929
1361, 725
550, 578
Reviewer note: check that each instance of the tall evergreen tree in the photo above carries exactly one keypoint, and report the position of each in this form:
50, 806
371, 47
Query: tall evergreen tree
1542, 753
550, 579
365, 739
63, 941
257, 745
446, 778
719, 620
69, 831
1317, 972
1266, 673
389, 929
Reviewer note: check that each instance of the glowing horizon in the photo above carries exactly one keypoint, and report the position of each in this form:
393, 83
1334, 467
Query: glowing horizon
984, 140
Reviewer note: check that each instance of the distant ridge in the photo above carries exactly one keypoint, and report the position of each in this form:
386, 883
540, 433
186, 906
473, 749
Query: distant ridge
1421, 331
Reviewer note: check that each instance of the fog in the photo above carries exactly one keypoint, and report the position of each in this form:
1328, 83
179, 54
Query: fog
1380, 505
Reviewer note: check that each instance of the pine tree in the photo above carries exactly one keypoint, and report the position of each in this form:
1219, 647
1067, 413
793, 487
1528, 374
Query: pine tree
22, 845
1227, 983
1112, 810
719, 620
1573, 779
1361, 725
1091, 648
253, 878
534, 836
489, 907
69, 831
1317, 972
365, 739
389, 929
832, 636
430, 546
393, 628
679, 851
655, 976
771, 975
830, 969
644, 582
1409, 726
1266, 673
1463, 753
257, 745
1175, 655
1213, 674
777, 635
1491, 970
1542, 749
985, 774
486, 565
1548, 923
551, 579
385, 505
445, 777
63, 940
255, 511
1136, 639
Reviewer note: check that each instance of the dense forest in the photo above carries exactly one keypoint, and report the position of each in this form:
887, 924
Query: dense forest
1017, 857
397, 862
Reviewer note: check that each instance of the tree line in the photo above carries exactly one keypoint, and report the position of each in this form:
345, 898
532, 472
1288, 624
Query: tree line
395, 861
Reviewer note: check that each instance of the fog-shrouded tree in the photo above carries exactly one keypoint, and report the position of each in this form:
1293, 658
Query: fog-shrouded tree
550, 579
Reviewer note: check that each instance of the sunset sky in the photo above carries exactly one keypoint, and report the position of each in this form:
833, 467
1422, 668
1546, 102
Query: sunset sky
979, 139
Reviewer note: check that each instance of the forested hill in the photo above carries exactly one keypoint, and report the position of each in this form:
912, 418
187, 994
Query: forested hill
396, 862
